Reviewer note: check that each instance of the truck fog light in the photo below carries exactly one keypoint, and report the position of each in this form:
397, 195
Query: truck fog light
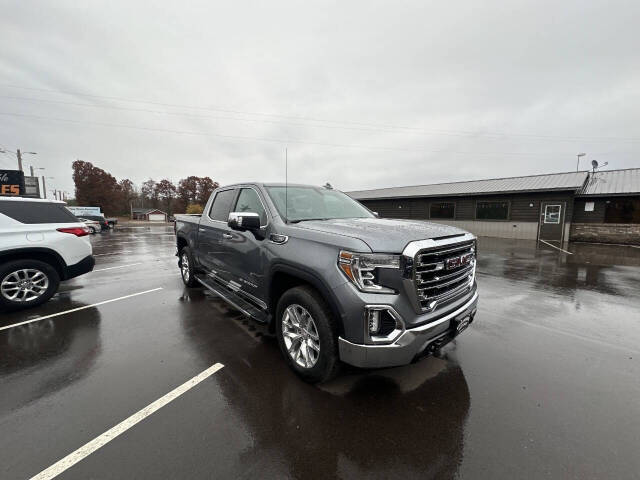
382, 324
373, 318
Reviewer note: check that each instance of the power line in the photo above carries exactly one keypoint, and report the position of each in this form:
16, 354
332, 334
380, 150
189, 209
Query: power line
271, 140
280, 122
329, 121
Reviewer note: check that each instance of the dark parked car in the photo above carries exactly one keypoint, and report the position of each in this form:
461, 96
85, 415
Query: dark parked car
331, 280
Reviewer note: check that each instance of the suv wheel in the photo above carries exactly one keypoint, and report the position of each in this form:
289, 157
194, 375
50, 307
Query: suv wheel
186, 267
307, 335
26, 283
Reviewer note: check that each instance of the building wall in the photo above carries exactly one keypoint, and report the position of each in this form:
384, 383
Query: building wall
519, 230
597, 216
622, 233
524, 212
524, 207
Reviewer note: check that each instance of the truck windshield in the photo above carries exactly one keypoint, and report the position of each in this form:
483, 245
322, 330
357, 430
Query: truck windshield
315, 203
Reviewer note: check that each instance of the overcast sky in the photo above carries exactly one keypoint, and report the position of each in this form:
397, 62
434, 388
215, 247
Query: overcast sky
364, 94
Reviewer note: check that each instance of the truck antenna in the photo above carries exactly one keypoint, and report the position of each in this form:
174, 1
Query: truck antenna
286, 186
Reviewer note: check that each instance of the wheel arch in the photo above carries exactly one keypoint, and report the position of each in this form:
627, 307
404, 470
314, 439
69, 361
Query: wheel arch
46, 255
284, 277
181, 242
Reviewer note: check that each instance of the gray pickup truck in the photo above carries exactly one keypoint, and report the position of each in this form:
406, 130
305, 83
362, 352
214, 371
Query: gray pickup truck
330, 279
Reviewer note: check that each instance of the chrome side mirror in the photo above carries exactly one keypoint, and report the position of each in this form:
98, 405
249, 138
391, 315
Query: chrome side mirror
244, 221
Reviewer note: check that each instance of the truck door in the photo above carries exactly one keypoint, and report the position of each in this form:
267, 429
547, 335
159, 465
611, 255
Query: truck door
212, 252
246, 254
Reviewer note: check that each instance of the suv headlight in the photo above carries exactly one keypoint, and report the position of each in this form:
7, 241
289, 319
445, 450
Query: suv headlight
361, 269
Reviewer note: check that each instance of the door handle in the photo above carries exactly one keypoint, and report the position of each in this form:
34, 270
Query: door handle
227, 235
202, 229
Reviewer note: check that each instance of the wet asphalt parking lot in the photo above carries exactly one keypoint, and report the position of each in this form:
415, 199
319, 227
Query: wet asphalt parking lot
544, 384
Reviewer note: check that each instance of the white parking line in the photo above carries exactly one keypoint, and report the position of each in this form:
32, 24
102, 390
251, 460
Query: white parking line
119, 266
557, 248
114, 253
77, 309
100, 441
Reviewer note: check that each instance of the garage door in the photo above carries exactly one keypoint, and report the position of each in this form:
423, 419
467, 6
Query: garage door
156, 217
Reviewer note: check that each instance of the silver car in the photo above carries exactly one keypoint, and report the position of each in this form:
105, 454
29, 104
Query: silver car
92, 225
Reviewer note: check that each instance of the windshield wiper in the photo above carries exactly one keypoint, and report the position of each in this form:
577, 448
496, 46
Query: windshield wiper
307, 220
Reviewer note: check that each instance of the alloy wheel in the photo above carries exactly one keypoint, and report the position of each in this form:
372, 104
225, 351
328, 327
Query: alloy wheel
184, 268
300, 336
25, 285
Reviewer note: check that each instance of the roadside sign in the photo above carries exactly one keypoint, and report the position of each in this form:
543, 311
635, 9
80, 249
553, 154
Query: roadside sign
79, 211
11, 183
31, 187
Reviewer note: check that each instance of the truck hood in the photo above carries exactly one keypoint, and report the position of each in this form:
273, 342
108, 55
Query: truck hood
383, 235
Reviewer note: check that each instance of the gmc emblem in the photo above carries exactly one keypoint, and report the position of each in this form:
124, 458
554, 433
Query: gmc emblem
457, 262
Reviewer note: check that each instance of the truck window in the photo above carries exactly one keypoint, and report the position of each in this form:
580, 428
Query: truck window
248, 201
222, 205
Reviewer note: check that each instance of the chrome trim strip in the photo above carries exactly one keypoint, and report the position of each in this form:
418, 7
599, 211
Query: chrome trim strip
446, 318
440, 252
460, 273
237, 288
414, 247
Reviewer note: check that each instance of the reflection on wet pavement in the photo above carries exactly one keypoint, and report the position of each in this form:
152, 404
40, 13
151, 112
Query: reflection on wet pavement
544, 384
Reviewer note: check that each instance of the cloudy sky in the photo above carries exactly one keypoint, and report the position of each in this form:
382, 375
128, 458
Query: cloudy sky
362, 93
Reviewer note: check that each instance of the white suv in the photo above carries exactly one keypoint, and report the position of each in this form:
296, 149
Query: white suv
41, 243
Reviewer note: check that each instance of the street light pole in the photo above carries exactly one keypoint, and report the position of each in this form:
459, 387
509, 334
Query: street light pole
19, 159
44, 185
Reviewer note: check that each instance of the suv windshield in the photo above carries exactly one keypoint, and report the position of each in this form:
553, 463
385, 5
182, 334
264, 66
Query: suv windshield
315, 203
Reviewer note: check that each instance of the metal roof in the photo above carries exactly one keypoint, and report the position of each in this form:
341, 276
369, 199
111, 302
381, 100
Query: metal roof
613, 182
144, 211
554, 181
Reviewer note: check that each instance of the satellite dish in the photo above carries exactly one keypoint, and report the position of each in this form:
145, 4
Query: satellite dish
594, 163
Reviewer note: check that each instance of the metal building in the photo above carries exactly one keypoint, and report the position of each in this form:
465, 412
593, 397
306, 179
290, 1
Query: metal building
529, 207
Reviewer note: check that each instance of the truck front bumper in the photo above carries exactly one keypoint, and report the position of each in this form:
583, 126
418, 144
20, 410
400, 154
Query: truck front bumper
412, 343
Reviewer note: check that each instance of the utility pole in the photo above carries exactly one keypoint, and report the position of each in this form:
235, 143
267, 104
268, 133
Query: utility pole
44, 187
32, 174
19, 155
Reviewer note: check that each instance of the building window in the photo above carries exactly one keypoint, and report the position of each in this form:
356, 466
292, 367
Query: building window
442, 210
624, 210
552, 214
492, 210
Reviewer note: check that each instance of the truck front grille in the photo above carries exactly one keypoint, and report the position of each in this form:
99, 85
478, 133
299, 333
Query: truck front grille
442, 274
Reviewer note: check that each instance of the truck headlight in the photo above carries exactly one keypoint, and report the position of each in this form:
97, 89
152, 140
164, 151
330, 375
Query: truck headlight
361, 269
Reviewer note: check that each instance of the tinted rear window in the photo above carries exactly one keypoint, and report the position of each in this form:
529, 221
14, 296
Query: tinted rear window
37, 212
222, 205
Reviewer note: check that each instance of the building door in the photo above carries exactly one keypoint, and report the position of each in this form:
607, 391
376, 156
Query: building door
551, 226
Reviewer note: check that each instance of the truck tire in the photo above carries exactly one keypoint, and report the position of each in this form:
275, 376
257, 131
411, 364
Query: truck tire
187, 269
26, 283
307, 334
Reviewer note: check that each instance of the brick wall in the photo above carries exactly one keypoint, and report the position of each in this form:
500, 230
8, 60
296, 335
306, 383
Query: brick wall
626, 233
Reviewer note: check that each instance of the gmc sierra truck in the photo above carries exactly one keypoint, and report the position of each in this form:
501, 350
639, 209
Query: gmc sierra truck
330, 279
